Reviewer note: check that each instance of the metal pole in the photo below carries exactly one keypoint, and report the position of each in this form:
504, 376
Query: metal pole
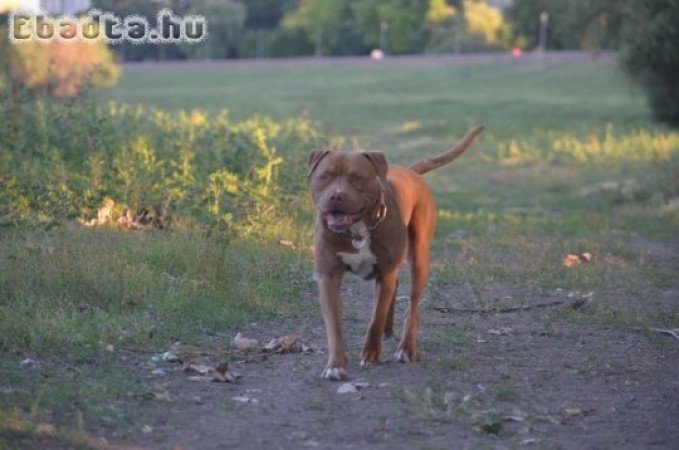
319, 41
457, 38
384, 27
544, 20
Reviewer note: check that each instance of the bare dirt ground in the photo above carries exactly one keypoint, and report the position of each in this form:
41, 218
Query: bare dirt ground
537, 378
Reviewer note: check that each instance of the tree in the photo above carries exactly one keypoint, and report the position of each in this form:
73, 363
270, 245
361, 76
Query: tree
405, 20
650, 53
226, 24
62, 69
573, 24
319, 20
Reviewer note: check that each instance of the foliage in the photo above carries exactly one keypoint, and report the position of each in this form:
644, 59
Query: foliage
483, 20
226, 21
573, 24
650, 54
62, 69
604, 147
64, 159
135, 51
320, 20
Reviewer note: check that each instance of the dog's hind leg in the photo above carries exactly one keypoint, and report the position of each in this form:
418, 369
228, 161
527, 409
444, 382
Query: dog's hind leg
420, 235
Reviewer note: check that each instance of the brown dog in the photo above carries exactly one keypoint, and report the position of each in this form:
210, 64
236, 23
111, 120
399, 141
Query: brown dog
370, 216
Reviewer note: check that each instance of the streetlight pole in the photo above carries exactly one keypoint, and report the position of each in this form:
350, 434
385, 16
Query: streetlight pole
544, 20
384, 27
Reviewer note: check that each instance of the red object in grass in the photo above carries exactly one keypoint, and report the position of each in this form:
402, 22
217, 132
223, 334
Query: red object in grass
517, 52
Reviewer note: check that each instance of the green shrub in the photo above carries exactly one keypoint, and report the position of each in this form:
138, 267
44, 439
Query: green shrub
650, 54
60, 160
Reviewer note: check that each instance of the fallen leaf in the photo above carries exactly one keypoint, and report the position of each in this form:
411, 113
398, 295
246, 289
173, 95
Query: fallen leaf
573, 260
195, 368
146, 429
570, 412
110, 348
160, 396
222, 367
500, 331
289, 343
242, 343
200, 378
224, 375
227, 377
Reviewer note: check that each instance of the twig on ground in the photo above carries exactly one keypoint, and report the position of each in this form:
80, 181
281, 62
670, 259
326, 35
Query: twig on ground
496, 309
672, 332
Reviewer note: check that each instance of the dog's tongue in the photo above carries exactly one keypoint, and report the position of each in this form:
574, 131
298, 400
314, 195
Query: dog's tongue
340, 220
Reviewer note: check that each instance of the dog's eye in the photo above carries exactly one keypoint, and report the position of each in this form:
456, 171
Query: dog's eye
357, 177
324, 177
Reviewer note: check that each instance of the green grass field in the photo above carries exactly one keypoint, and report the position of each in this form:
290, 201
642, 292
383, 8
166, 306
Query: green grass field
387, 106
570, 162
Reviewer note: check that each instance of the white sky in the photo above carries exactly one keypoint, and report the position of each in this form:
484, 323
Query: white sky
29, 5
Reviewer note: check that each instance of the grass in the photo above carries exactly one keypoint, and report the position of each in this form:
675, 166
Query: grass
570, 162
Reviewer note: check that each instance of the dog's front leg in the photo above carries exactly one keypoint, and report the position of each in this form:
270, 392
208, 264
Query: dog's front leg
331, 307
385, 288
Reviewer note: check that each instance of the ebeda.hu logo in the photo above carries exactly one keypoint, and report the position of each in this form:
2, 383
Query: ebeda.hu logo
97, 25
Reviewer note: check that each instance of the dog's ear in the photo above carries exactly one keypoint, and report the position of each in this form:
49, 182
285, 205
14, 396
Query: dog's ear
315, 157
379, 160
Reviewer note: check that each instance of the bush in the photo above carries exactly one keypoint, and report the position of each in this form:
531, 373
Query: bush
650, 54
65, 158
62, 69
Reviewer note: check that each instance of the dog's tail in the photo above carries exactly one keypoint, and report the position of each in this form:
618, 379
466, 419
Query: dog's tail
444, 158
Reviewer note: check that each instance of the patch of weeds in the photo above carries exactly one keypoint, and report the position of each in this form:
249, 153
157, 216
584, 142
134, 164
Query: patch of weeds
448, 406
505, 394
316, 405
96, 392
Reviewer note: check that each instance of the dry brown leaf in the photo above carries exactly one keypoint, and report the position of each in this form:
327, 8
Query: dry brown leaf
289, 343
240, 342
573, 260
196, 368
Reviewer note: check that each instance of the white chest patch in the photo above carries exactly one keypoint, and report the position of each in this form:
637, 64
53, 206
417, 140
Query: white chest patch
362, 262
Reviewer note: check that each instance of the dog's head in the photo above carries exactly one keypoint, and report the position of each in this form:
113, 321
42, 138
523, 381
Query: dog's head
346, 187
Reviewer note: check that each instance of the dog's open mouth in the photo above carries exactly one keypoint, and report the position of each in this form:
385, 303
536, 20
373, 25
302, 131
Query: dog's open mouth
340, 221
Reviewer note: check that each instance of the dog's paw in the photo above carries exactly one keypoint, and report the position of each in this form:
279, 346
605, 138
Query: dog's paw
335, 374
402, 356
366, 364
370, 358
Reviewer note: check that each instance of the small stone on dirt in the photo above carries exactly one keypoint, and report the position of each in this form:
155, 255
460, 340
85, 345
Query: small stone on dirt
28, 363
244, 399
350, 387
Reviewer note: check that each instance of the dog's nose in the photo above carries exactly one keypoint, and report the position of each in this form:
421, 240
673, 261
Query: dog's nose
337, 197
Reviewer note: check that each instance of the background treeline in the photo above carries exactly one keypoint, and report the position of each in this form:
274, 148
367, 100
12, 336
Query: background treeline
278, 28
644, 33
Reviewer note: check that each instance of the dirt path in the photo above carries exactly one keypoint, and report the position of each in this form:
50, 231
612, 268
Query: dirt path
532, 379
